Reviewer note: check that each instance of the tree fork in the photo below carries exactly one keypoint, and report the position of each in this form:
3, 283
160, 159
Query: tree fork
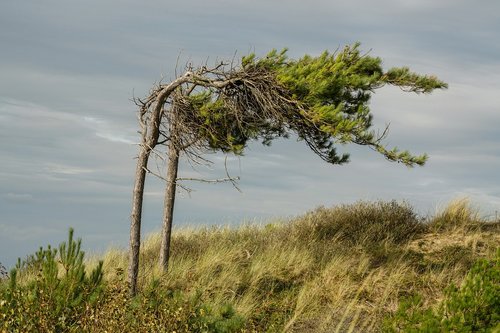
150, 134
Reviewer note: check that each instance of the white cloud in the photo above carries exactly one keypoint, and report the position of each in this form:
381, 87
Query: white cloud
103, 129
26, 233
18, 197
66, 169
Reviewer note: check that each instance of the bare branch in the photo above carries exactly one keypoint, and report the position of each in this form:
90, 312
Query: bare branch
211, 181
233, 182
185, 188
154, 174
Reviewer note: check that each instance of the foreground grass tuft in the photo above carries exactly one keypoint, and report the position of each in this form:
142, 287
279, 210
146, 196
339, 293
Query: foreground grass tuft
342, 269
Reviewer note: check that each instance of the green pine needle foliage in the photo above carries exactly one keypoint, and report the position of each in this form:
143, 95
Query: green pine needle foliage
473, 307
334, 91
323, 100
217, 124
58, 292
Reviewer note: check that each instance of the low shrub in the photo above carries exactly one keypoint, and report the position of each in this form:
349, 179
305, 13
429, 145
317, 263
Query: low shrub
55, 297
363, 223
474, 307
158, 309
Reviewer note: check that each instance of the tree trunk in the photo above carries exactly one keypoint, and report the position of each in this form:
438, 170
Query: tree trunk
168, 210
135, 223
150, 136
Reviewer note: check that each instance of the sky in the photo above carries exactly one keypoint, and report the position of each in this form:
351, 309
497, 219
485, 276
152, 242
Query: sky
68, 127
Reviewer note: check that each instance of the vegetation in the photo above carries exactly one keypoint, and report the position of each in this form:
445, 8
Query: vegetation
365, 267
55, 292
474, 307
3, 272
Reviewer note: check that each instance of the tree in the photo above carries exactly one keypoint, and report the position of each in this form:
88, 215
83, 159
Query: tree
323, 100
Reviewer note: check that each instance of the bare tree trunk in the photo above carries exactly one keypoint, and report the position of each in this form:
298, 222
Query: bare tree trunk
168, 210
135, 223
150, 134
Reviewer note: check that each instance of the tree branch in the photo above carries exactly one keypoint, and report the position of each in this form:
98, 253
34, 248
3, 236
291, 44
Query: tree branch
212, 181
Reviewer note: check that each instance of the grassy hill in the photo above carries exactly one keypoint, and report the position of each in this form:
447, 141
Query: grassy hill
340, 269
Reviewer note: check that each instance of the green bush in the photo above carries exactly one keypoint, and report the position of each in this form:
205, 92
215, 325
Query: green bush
363, 223
53, 299
184, 312
217, 319
157, 309
474, 307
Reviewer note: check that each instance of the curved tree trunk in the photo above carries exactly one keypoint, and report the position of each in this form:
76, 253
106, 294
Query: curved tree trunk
168, 210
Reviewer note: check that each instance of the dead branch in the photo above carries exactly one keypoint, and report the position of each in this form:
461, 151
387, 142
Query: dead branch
211, 181
233, 180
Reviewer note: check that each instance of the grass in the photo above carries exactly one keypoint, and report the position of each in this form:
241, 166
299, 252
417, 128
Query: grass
340, 269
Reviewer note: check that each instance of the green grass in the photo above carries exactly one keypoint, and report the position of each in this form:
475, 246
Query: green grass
340, 269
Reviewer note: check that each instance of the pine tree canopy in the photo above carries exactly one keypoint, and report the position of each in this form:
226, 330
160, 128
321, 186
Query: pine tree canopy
324, 100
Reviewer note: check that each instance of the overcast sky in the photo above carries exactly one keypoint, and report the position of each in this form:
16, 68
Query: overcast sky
68, 70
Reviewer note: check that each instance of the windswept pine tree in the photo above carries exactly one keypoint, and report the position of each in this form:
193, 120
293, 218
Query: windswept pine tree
323, 100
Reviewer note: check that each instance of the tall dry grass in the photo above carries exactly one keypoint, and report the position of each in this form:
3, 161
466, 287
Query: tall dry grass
340, 269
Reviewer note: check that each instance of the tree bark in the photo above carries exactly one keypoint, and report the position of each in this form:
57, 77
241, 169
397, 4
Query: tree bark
135, 223
169, 201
